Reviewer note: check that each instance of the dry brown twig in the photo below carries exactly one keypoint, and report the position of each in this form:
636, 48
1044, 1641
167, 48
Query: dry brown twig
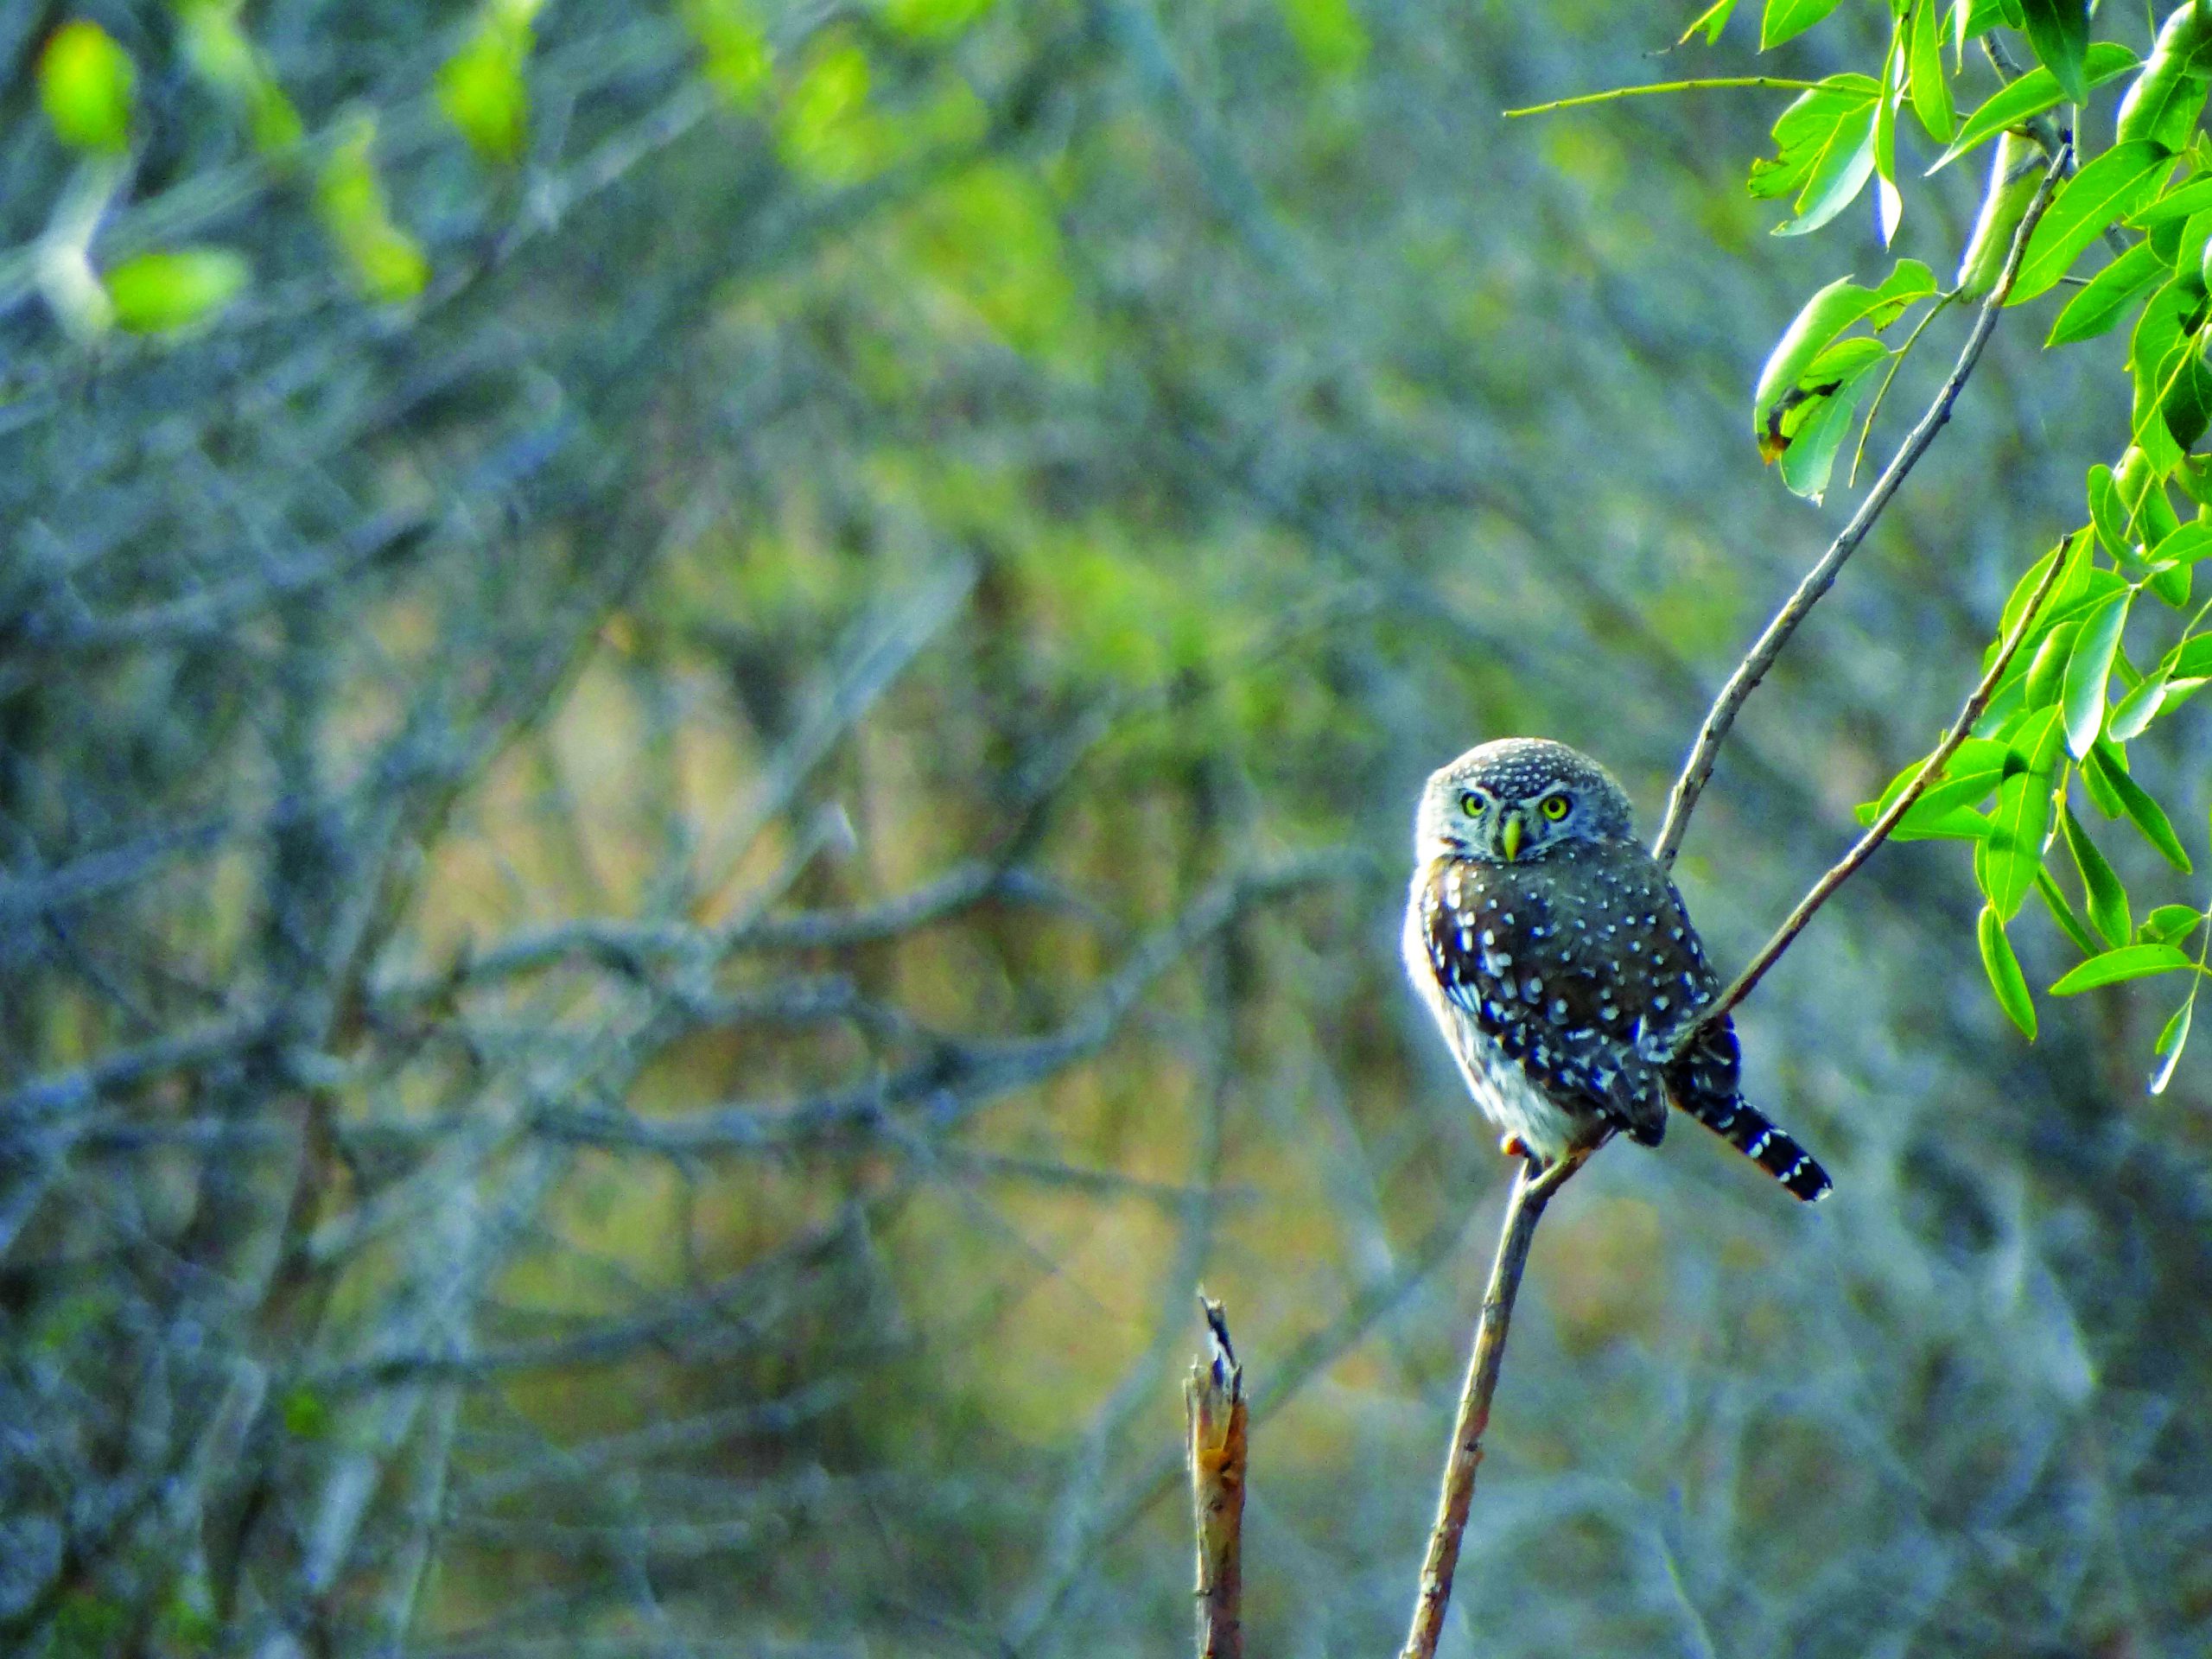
1213, 1398
1532, 1190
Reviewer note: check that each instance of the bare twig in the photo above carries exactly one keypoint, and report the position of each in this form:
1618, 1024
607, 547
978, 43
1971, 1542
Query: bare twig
1531, 1192
1698, 770
1711, 83
1213, 1399
1930, 770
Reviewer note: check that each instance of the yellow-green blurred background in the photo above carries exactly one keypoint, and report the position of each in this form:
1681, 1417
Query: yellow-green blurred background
714, 788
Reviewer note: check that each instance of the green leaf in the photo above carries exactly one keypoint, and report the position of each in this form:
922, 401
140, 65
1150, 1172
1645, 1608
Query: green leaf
2189, 197
1908, 282
2114, 184
2046, 672
2107, 898
1839, 174
1785, 19
2004, 976
1818, 321
2087, 670
2075, 550
85, 82
2146, 814
2169, 924
2059, 32
2096, 307
2168, 96
2184, 545
2171, 1040
2062, 914
2006, 861
1810, 457
156, 292
2137, 709
2129, 962
1931, 87
1802, 131
2191, 658
2030, 96
1712, 20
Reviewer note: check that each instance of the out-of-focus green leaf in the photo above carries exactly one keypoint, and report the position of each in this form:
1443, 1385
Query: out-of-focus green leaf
1330, 35
735, 47
2107, 898
85, 82
2144, 812
2029, 96
156, 292
307, 1413
2004, 976
1930, 85
2169, 924
2088, 668
388, 266
482, 88
2129, 962
1785, 19
2108, 295
239, 72
2059, 32
2112, 186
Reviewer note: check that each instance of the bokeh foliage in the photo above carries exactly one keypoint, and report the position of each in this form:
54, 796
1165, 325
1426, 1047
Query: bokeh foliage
706, 723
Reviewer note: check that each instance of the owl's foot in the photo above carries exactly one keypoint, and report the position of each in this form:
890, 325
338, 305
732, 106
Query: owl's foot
1513, 1146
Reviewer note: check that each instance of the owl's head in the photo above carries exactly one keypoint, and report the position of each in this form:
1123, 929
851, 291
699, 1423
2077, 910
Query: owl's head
1516, 799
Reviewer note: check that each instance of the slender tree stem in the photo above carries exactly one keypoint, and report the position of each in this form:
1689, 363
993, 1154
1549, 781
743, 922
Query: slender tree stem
1583, 100
1531, 1192
1697, 772
1213, 1399
1878, 832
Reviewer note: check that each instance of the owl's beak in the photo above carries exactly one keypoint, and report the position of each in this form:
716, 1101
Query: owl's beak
1509, 835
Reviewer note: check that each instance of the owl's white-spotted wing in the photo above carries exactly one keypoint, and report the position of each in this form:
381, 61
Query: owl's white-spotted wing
1545, 972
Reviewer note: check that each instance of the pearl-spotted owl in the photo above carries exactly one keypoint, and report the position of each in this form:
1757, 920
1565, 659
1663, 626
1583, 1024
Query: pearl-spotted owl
1560, 965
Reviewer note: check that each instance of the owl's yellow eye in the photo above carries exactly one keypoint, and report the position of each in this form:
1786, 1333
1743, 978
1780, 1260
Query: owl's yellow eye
1472, 801
1555, 807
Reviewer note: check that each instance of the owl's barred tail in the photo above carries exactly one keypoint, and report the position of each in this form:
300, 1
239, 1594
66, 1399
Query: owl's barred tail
1752, 1132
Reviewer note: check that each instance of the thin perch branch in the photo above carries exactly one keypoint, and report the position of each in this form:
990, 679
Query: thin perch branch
1931, 770
1583, 100
1214, 1402
1531, 1192
1698, 770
